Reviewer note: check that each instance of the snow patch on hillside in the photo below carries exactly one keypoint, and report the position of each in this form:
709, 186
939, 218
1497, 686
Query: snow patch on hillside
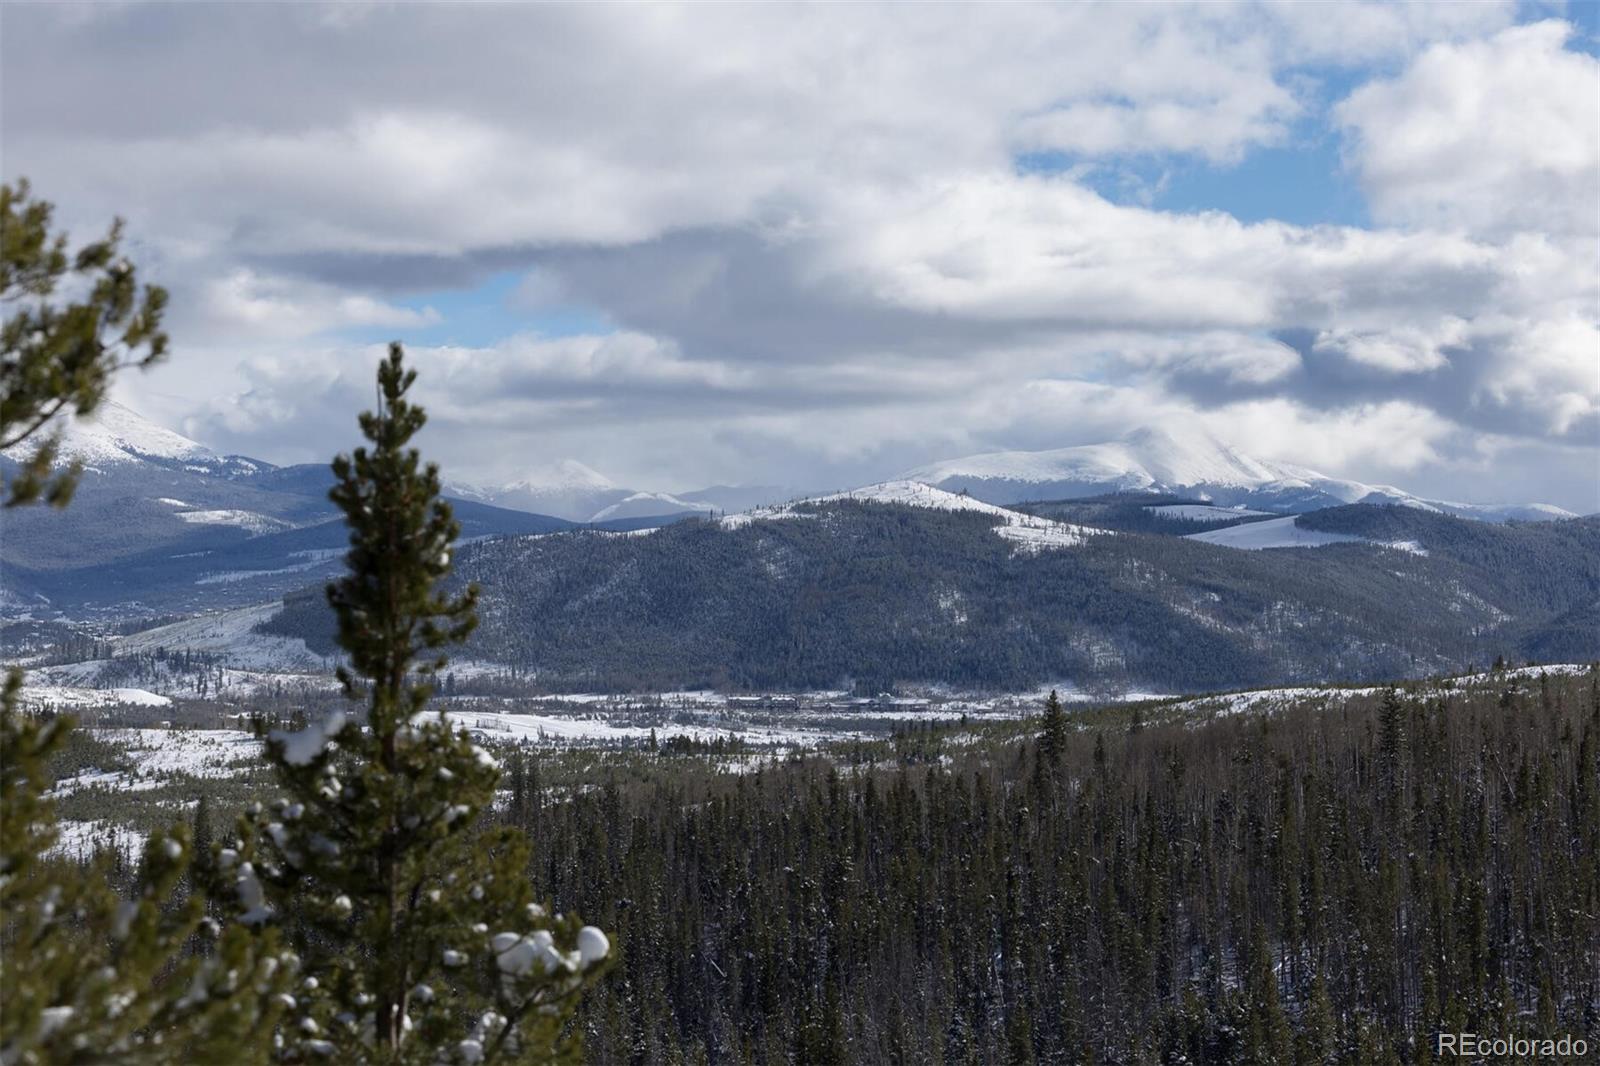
81, 840
1266, 699
1029, 532
1273, 533
1286, 533
232, 634
246, 520
68, 697
1529, 673
154, 754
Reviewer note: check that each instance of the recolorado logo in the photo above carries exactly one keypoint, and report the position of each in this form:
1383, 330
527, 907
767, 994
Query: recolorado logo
1521, 1047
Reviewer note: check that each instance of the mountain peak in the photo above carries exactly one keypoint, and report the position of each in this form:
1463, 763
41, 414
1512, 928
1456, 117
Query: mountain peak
563, 474
1180, 459
116, 433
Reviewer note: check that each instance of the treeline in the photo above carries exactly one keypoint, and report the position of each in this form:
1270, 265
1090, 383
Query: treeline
1308, 887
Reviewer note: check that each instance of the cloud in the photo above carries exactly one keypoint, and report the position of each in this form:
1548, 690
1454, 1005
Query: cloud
1402, 350
1493, 136
246, 304
825, 243
529, 125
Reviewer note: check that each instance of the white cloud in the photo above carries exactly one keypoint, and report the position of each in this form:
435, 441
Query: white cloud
1403, 350
1041, 248
247, 304
293, 133
1491, 136
1553, 367
1376, 439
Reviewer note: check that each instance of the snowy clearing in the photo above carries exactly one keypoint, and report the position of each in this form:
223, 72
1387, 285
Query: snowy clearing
558, 729
80, 840
1266, 699
66, 697
161, 753
1528, 672
231, 633
247, 520
1273, 533
1285, 533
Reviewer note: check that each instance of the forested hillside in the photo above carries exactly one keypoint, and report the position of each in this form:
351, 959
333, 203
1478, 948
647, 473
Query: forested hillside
1314, 886
856, 590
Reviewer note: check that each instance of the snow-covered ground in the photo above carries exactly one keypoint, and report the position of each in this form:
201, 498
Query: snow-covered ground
80, 840
1265, 699
1527, 672
1273, 533
246, 520
1285, 533
255, 662
81, 684
160, 753
231, 633
596, 728
73, 697
1030, 532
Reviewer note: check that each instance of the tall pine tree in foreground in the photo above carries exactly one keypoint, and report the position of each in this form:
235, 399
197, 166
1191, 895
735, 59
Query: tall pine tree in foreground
419, 937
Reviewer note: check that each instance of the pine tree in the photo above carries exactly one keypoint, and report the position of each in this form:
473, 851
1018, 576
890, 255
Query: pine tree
420, 938
87, 976
59, 358
1053, 735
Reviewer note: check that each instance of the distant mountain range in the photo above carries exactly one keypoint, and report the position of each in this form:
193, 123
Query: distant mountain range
903, 583
163, 524
160, 522
1191, 463
569, 489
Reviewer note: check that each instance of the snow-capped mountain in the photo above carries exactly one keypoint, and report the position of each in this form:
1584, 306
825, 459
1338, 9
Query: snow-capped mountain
1182, 462
157, 515
649, 505
116, 435
571, 490
566, 489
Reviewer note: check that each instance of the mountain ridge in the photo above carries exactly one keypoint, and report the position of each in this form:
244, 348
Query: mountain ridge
1160, 460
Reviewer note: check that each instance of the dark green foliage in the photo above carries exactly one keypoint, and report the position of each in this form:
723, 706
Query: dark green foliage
418, 934
85, 974
56, 358
391, 616
1232, 892
1053, 734
88, 975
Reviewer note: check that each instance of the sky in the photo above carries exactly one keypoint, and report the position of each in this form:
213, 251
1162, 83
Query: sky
814, 246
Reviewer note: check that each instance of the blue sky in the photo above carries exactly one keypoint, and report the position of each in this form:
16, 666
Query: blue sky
486, 312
